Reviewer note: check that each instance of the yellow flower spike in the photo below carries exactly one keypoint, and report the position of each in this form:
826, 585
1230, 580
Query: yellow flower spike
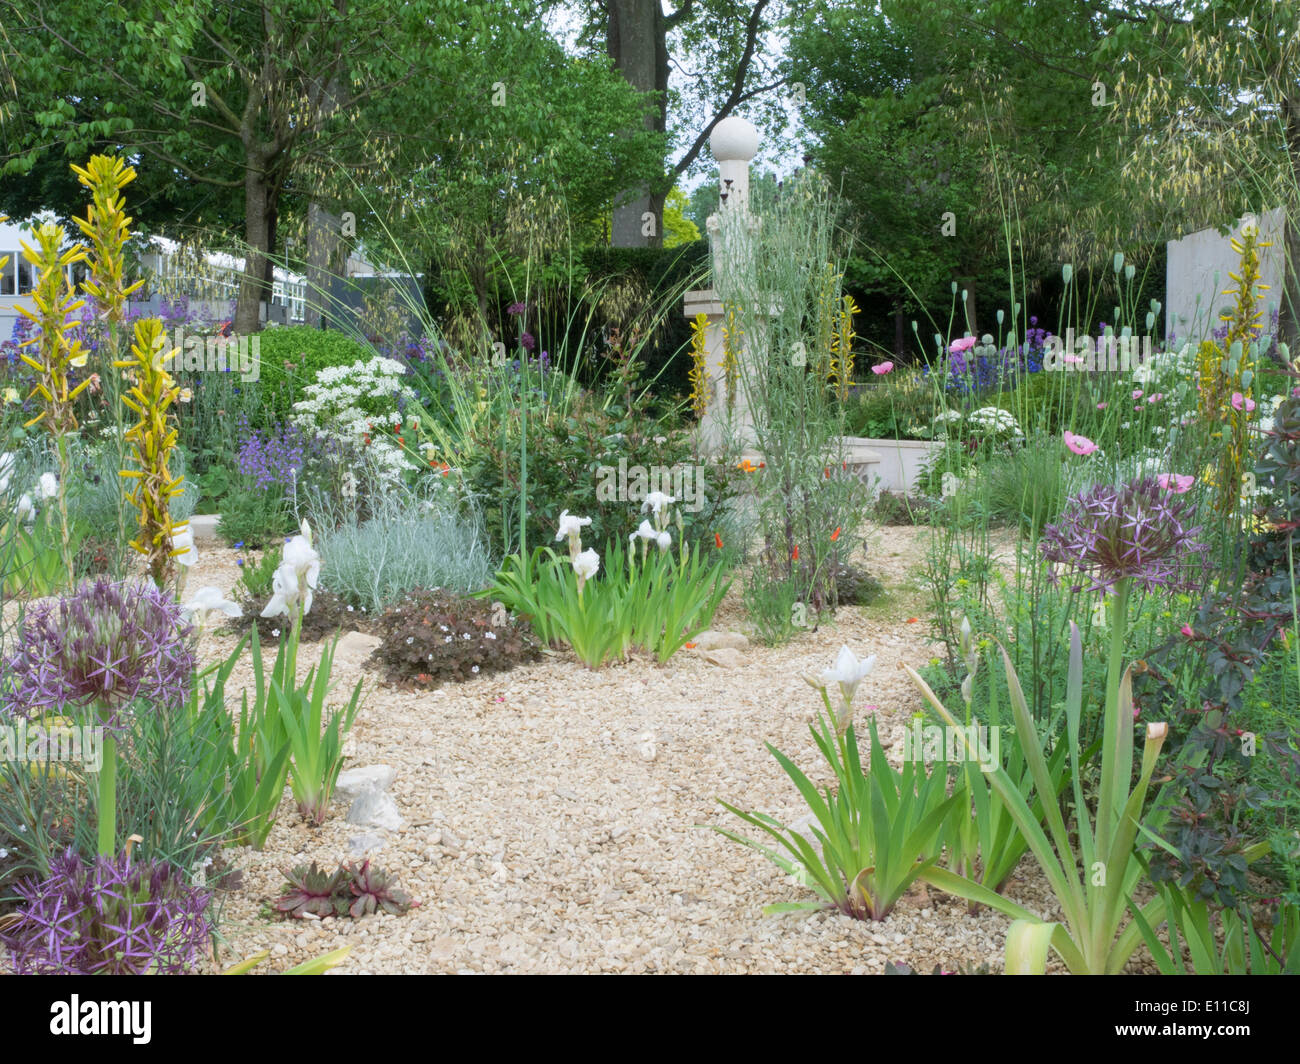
152, 438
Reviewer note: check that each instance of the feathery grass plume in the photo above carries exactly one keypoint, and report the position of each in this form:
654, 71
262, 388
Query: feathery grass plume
152, 438
56, 353
699, 374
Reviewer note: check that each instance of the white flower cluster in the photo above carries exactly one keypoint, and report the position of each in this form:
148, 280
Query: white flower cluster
994, 421
1266, 409
344, 401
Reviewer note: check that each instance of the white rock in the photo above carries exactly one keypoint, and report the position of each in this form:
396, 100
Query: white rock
360, 845
374, 809
355, 780
725, 657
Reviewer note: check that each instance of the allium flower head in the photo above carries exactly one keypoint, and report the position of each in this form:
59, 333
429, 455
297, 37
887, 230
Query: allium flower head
1138, 531
112, 917
105, 644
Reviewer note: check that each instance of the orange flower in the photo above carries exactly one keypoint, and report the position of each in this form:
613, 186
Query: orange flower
828, 472
836, 534
689, 646
795, 556
913, 620
718, 540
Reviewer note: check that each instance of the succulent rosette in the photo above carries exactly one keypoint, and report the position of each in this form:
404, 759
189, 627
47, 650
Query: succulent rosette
105, 644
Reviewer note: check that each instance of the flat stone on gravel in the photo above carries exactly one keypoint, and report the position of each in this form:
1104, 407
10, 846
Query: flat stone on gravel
353, 781
711, 640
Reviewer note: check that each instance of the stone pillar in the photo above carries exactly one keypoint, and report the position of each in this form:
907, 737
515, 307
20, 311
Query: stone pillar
732, 233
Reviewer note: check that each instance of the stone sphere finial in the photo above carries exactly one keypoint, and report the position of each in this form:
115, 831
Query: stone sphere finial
734, 139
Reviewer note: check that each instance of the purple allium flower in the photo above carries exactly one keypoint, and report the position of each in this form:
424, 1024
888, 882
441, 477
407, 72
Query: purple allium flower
528, 341
516, 308
1136, 531
106, 644
110, 917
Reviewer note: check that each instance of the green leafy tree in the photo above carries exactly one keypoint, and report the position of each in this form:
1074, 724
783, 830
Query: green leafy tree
237, 97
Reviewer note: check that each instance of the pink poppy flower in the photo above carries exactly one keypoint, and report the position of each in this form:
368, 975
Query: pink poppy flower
1079, 444
1155, 398
1187, 631
884, 367
1102, 406
1137, 393
1175, 482
1240, 402
964, 344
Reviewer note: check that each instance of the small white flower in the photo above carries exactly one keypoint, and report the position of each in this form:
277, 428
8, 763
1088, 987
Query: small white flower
210, 598
26, 510
586, 566
447, 639
473, 668
656, 501
647, 531
489, 635
410, 639
48, 486
570, 525
275, 632
847, 673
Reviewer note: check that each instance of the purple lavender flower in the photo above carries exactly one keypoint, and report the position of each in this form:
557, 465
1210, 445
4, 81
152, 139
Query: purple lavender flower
271, 458
106, 644
1137, 531
110, 917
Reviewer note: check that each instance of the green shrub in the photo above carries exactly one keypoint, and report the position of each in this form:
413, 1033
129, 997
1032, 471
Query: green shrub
573, 464
291, 356
254, 516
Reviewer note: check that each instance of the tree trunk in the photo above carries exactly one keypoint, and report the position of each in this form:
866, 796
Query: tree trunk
252, 287
637, 42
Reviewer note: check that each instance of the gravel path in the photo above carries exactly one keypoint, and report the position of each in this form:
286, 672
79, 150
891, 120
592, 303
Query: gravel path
540, 836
